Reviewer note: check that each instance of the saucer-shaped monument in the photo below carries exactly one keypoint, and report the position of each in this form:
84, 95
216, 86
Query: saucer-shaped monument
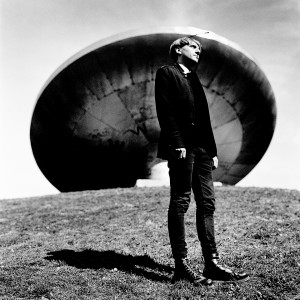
95, 125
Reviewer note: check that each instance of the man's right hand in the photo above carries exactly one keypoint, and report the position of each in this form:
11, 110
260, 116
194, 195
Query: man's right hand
180, 153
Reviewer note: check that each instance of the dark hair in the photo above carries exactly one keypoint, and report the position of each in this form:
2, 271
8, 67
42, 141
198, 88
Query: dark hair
179, 43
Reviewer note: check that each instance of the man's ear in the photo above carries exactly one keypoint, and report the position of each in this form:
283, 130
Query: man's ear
178, 50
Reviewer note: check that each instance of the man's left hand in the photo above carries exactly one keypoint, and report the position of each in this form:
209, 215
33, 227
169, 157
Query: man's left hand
215, 162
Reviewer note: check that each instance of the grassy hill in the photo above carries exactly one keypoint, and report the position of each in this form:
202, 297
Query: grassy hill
113, 244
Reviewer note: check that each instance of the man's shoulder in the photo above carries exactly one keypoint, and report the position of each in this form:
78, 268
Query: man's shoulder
168, 67
168, 70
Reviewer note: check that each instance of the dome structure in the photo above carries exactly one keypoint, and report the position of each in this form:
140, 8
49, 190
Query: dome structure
95, 124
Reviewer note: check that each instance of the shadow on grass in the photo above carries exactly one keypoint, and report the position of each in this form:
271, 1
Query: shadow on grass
91, 259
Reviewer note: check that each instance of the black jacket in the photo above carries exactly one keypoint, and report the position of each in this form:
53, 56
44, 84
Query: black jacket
182, 112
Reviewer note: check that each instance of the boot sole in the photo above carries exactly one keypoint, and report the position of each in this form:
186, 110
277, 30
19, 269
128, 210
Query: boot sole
196, 283
232, 281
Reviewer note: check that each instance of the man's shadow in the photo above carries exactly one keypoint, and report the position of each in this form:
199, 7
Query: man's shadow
91, 259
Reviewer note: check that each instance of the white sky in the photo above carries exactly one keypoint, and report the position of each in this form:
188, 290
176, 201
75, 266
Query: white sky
37, 36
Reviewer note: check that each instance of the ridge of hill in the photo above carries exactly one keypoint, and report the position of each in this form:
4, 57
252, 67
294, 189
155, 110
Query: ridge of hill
113, 244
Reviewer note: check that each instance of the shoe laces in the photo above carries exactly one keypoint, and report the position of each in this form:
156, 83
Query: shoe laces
221, 268
188, 270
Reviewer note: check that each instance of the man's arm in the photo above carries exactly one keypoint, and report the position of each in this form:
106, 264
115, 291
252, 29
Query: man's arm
166, 112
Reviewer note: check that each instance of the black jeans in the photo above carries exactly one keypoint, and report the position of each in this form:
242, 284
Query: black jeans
192, 173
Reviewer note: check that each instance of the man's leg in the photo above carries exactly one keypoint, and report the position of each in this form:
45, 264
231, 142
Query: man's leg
180, 171
205, 200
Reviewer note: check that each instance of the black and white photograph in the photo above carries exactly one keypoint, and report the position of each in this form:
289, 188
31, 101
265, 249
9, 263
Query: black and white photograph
150, 149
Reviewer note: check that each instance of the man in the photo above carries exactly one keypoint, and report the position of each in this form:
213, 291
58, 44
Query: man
187, 142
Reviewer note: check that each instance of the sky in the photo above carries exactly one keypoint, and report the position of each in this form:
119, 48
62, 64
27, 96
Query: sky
38, 36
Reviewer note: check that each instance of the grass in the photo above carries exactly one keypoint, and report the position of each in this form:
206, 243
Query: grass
113, 244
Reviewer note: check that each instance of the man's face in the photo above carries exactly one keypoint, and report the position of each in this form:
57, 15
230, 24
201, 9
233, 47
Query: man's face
190, 53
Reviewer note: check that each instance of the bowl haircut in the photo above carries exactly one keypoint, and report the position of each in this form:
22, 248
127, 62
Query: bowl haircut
179, 43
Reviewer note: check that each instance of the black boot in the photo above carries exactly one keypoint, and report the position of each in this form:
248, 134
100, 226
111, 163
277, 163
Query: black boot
215, 271
184, 271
